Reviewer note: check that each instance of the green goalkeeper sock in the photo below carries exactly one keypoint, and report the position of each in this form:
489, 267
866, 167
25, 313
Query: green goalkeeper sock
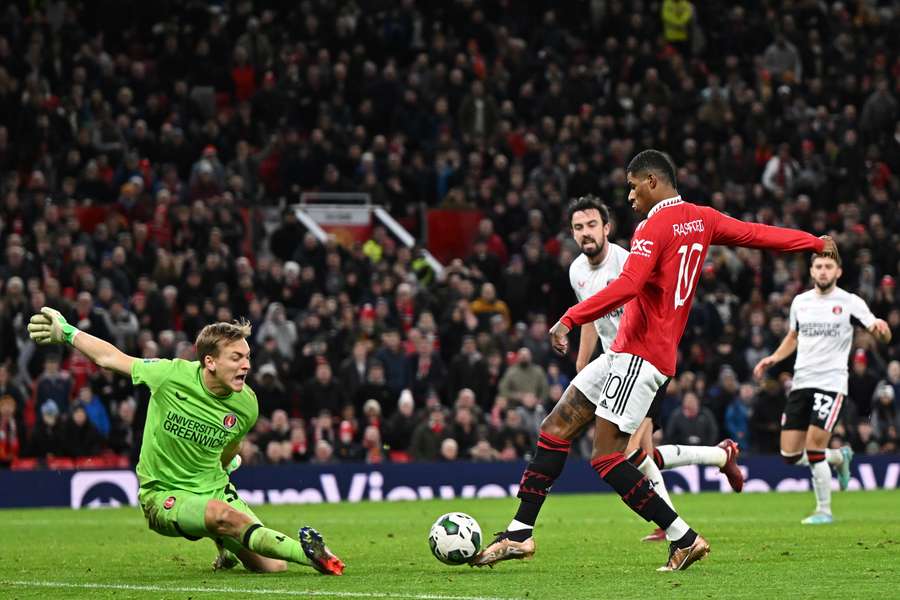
273, 544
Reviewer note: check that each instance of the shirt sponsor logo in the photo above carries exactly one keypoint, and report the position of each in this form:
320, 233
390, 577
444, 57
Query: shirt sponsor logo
689, 227
210, 436
230, 420
820, 329
169, 503
837, 310
641, 247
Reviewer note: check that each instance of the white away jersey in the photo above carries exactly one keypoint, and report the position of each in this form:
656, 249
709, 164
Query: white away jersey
587, 279
824, 337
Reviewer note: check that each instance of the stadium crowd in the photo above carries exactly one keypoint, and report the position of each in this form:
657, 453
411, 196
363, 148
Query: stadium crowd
140, 143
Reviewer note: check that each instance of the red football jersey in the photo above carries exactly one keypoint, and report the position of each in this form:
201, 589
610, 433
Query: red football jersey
667, 254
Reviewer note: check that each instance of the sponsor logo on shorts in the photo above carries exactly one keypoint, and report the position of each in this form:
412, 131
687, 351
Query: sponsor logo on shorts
169, 503
837, 310
230, 420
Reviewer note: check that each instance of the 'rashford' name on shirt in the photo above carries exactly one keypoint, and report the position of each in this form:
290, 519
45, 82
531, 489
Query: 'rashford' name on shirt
689, 227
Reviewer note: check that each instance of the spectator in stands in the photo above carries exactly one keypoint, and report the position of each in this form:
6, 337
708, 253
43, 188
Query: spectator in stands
347, 449
677, 17
53, 384
96, 411
392, 359
279, 434
375, 387
468, 370
270, 392
879, 112
765, 422
512, 441
354, 369
885, 419
8, 387
737, 416
692, 425
449, 450
487, 305
782, 60
781, 171
524, 377
12, 432
466, 431
861, 383
124, 437
399, 428
277, 326
532, 413
79, 436
324, 454
46, 437
299, 443
371, 443
426, 440
426, 368
322, 392
537, 341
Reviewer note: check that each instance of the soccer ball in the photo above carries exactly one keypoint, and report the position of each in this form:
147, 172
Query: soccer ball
455, 538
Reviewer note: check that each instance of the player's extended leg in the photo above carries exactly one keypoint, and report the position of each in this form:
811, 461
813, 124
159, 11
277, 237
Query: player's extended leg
568, 418
724, 455
224, 521
608, 460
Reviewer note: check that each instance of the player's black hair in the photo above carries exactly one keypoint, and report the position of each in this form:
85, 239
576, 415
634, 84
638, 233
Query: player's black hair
588, 202
655, 161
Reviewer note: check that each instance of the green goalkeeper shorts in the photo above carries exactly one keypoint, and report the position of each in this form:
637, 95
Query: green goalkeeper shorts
177, 513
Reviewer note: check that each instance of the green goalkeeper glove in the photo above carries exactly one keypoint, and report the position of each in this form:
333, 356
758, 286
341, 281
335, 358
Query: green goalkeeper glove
50, 327
234, 465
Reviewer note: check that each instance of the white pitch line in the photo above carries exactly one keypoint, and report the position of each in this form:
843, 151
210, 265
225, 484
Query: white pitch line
222, 590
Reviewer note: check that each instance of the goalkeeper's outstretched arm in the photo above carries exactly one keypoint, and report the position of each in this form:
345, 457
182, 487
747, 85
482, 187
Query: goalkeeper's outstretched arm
50, 327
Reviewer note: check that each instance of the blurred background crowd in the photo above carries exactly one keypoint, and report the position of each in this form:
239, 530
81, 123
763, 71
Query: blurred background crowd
143, 144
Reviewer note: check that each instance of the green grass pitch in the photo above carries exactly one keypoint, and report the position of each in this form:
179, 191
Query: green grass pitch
587, 547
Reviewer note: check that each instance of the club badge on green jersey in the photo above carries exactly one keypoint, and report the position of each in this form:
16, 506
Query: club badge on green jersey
229, 421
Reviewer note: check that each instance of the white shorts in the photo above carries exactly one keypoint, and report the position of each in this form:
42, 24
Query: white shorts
622, 386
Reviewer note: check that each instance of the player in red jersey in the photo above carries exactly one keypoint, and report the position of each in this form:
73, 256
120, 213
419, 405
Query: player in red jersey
657, 288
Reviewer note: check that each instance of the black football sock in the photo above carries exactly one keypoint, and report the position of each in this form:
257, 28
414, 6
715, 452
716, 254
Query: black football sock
538, 478
634, 488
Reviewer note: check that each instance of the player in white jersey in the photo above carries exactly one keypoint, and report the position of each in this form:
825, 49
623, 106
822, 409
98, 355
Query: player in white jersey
821, 331
599, 263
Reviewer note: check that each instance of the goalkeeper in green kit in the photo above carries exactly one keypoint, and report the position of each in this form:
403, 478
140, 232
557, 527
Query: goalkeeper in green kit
198, 415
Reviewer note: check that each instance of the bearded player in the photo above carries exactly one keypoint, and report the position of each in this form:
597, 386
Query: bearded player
657, 287
599, 263
199, 413
821, 331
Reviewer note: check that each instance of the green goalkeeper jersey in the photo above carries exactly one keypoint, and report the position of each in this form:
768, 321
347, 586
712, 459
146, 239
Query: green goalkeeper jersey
188, 426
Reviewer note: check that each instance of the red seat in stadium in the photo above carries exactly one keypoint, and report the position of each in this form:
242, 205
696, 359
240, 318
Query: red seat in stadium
24, 464
60, 463
399, 456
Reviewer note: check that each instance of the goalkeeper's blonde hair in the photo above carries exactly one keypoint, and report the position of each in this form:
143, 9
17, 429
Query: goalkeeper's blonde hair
212, 337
